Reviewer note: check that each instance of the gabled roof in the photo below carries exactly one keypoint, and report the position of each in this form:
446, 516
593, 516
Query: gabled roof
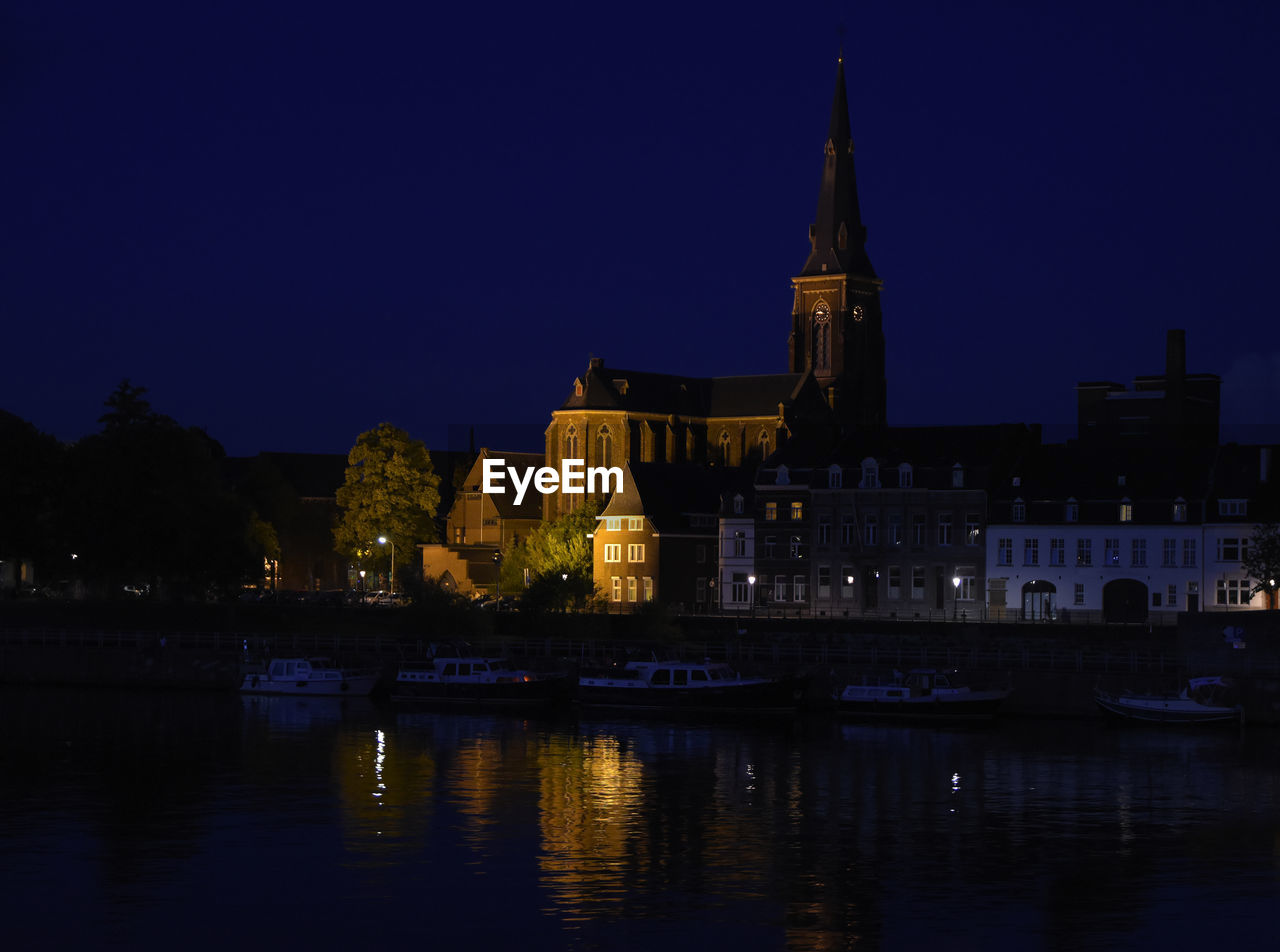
642, 391
668, 494
504, 502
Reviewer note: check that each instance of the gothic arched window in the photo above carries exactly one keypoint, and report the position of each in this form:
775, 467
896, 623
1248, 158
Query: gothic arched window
821, 337
725, 445
604, 447
571, 443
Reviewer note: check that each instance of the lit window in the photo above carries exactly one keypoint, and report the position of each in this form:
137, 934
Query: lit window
1126, 512
631, 588
613, 552
617, 588
797, 510
635, 523
635, 552
771, 512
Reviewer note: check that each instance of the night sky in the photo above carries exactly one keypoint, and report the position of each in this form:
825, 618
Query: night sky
291, 221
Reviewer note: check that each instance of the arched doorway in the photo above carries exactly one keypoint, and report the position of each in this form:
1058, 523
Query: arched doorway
1124, 599
1039, 601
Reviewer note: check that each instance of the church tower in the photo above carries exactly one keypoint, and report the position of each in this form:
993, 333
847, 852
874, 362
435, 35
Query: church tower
836, 328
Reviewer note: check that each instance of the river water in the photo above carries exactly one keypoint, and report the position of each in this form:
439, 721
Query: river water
172, 820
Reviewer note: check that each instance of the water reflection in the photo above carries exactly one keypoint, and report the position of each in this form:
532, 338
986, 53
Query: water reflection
630, 834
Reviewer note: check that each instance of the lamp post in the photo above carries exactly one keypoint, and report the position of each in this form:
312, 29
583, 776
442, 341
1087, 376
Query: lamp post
751, 593
383, 540
955, 601
362, 586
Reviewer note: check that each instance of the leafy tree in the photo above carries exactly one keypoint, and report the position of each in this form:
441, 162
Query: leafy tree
391, 491
32, 473
551, 552
148, 504
1263, 561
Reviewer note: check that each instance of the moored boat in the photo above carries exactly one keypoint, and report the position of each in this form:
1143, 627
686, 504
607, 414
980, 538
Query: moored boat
1207, 700
922, 694
477, 680
311, 677
687, 686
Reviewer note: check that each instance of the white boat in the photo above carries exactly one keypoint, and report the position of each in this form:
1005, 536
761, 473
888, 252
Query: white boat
704, 686
459, 679
314, 677
921, 694
1209, 700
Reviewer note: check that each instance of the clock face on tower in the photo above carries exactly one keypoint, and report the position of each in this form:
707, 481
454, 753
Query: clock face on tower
857, 313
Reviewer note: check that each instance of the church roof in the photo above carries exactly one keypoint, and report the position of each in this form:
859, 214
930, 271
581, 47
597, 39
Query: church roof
609, 388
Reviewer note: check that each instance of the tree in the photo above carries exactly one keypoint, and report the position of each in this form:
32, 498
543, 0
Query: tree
551, 552
391, 491
1263, 561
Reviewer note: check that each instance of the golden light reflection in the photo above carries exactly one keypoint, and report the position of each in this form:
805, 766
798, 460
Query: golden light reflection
385, 794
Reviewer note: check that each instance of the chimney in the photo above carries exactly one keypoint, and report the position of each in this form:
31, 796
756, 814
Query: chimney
596, 363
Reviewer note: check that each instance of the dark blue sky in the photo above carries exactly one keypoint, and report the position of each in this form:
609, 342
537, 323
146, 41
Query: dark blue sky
291, 221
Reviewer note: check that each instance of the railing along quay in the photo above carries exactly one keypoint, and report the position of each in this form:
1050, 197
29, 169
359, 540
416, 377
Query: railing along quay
881, 652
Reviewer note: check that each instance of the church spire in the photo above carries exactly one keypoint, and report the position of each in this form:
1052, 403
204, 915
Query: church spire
837, 235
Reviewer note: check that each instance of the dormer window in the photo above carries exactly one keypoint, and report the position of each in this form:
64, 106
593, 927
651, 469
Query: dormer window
1071, 513
577, 387
1126, 510
1017, 481
870, 474
620, 386
835, 477
1119, 480
957, 476
1179, 510
784, 478
905, 476
1019, 510
737, 505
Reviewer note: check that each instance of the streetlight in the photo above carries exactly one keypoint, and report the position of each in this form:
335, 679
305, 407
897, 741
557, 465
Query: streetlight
955, 602
751, 590
382, 540
362, 586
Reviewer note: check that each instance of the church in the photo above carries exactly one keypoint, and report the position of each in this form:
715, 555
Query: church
834, 377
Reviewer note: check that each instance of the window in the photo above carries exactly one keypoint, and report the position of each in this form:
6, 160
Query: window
968, 586
1188, 553
846, 581
905, 478
779, 588
617, 588
1126, 511
835, 478
795, 547
895, 581
737, 505
824, 532
1112, 555
895, 529
738, 588
944, 528
1138, 553
847, 529
871, 531
739, 545
631, 588
824, 581
648, 589
1084, 552
971, 528
1004, 552
635, 552
1172, 600
1233, 591
613, 524
917, 582
770, 543
1233, 507
957, 476
870, 474
1169, 553
1031, 552
798, 588
1079, 593
771, 512
1179, 511
1155, 599
1071, 512
635, 523
1057, 551
1019, 511
571, 443
917, 530
604, 447
1233, 550
613, 552
797, 510
725, 444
